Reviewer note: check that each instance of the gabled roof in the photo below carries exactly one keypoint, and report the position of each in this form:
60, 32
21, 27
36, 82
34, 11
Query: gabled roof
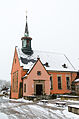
38, 59
51, 61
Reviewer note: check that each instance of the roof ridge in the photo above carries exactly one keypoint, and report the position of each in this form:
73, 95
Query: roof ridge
45, 51
49, 52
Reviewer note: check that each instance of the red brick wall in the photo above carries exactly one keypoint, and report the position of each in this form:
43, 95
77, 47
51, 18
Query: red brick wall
64, 89
21, 73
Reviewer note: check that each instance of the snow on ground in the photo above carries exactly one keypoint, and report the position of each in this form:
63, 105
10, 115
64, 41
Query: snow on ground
70, 115
3, 116
24, 109
18, 100
72, 101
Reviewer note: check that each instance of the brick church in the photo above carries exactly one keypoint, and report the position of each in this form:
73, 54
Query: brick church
39, 73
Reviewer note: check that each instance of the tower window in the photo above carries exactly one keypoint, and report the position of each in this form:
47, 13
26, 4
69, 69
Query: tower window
24, 43
27, 42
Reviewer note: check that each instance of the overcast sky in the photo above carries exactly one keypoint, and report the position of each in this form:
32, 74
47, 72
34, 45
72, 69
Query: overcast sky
53, 25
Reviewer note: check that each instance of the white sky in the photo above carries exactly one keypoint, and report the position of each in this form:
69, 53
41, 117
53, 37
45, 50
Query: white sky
53, 25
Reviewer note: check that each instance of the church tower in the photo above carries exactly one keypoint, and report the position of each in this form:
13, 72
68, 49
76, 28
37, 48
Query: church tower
26, 41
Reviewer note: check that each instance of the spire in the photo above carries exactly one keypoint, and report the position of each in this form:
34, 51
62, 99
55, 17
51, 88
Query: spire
26, 41
26, 28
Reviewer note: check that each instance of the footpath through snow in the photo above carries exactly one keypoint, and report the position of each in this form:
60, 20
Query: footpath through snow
24, 109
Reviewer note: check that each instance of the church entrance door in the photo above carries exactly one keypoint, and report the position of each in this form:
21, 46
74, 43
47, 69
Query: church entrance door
39, 89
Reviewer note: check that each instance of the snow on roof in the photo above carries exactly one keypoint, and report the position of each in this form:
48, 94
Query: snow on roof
77, 80
75, 106
75, 62
52, 61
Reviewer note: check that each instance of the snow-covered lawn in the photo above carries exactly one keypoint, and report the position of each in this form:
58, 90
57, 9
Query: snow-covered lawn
24, 109
3, 116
